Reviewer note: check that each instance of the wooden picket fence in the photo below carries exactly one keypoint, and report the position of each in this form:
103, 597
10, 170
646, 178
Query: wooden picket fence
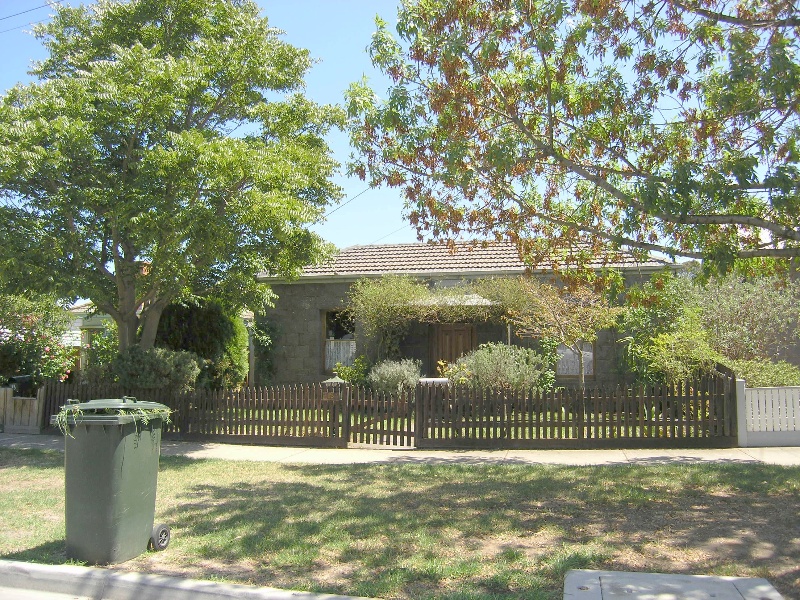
699, 413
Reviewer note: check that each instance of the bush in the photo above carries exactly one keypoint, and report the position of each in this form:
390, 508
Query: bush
680, 355
207, 330
156, 368
31, 333
356, 374
393, 376
766, 373
502, 366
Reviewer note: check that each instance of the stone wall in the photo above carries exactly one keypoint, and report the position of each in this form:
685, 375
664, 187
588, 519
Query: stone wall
299, 316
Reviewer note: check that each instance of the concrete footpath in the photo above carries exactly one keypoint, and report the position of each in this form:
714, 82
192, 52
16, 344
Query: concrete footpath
786, 456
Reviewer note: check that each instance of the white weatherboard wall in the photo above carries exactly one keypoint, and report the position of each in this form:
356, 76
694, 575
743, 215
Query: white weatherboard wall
768, 416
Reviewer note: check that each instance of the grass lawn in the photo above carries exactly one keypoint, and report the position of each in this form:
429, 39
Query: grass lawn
435, 531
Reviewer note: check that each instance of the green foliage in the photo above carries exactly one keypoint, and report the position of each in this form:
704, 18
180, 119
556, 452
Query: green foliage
103, 346
205, 329
386, 306
505, 367
678, 326
766, 373
681, 354
31, 333
264, 334
582, 128
120, 178
355, 374
394, 376
156, 368
570, 316
659, 308
101, 351
750, 318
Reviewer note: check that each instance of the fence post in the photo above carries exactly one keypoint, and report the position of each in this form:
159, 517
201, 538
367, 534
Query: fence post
344, 401
418, 417
741, 412
5, 397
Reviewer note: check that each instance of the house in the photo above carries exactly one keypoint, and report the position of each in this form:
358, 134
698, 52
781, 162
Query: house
313, 332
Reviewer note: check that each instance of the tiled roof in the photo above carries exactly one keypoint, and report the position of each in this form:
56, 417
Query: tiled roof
430, 259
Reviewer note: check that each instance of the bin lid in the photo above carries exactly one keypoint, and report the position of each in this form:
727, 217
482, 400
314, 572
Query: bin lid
124, 403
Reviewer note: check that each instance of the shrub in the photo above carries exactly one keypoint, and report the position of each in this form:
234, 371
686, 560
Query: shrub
392, 376
356, 374
264, 334
680, 355
31, 333
157, 368
498, 365
766, 373
206, 329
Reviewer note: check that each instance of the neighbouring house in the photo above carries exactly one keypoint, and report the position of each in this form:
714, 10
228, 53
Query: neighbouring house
314, 333
86, 323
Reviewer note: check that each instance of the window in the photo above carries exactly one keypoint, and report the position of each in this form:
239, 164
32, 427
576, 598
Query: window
340, 343
567, 365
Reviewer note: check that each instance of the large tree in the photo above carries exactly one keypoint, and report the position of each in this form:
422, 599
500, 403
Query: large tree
575, 127
165, 149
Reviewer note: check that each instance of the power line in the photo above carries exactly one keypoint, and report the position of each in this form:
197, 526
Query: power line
31, 10
346, 203
388, 234
21, 26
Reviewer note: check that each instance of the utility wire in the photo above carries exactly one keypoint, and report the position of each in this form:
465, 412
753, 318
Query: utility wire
21, 26
31, 10
388, 234
346, 203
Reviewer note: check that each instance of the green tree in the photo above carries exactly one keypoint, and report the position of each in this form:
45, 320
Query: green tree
582, 128
31, 333
165, 150
750, 318
207, 330
572, 317
682, 325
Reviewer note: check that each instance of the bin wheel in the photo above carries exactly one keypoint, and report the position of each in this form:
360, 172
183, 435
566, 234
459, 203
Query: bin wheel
159, 539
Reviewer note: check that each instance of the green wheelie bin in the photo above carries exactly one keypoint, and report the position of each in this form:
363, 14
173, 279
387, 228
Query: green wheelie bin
111, 456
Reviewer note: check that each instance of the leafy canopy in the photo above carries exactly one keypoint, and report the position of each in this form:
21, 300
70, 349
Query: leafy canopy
165, 150
580, 128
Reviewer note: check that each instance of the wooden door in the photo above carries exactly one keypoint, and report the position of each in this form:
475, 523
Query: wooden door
450, 342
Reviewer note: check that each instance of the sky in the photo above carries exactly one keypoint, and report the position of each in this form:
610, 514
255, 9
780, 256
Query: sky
336, 33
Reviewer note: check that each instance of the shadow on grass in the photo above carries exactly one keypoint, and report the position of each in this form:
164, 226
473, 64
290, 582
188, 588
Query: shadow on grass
41, 459
49, 553
463, 532
419, 530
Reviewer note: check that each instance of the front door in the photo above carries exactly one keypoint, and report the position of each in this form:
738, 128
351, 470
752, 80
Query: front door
450, 342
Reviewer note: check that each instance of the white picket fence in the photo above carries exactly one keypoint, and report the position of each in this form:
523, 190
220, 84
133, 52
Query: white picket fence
768, 416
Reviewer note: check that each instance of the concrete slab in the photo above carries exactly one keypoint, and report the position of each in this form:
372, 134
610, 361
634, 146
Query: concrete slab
611, 585
63, 582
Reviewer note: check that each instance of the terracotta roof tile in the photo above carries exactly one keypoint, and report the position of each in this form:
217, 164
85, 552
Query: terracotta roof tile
430, 259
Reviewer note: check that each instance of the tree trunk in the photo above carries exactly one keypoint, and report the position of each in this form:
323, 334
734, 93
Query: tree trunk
127, 329
581, 378
150, 318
